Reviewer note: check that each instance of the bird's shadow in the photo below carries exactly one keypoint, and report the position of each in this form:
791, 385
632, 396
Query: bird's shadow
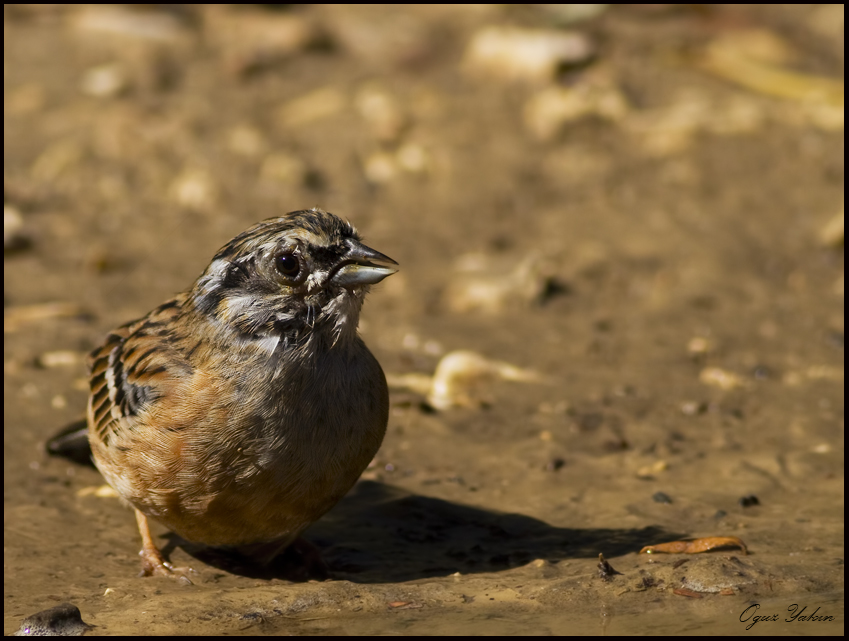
382, 534
379, 534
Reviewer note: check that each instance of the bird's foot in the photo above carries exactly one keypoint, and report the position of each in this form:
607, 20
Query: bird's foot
154, 564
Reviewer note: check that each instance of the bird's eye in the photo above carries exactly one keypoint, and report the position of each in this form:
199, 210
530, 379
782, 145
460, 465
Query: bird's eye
288, 265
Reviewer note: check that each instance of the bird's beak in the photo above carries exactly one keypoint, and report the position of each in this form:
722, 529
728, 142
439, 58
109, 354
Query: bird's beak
362, 265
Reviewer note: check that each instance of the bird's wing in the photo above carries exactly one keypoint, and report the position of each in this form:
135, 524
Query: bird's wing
136, 366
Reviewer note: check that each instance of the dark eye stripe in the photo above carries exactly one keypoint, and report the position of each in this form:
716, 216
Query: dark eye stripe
238, 273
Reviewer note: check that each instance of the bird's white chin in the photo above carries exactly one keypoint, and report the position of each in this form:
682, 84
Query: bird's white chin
343, 311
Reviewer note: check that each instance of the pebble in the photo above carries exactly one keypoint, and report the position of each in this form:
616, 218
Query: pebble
59, 358
649, 471
18, 317
385, 166
699, 346
831, 234
481, 284
252, 39
550, 109
381, 112
721, 378
14, 237
693, 408
459, 379
194, 189
129, 22
64, 620
312, 107
513, 53
459, 373
105, 81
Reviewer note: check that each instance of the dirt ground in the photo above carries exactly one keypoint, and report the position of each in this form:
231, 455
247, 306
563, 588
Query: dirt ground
645, 214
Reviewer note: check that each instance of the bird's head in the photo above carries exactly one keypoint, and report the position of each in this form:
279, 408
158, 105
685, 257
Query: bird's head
293, 277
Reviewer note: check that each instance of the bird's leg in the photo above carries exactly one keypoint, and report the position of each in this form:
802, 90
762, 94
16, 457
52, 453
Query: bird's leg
153, 563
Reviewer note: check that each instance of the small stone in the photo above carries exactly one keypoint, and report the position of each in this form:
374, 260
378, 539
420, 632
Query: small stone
723, 379
133, 21
550, 109
13, 230
693, 408
412, 158
64, 620
554, 464
513, 53
312, 107
460, 374
699, 346
382, 113
59, 358
104, 81
194, 189
251, 39
481, 284
831, 234
649, 471
380, 167
749, 500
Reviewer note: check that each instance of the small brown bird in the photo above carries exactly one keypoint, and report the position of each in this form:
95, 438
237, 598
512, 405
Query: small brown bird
239, 412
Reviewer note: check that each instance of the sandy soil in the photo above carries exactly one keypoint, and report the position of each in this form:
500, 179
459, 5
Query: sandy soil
641, 224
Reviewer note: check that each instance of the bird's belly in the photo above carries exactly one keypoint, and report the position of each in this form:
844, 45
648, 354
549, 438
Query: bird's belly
269, 492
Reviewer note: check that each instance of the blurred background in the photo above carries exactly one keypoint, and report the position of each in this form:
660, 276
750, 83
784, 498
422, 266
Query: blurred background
619, 311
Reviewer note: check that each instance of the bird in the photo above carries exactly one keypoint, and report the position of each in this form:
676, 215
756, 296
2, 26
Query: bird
243, 409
